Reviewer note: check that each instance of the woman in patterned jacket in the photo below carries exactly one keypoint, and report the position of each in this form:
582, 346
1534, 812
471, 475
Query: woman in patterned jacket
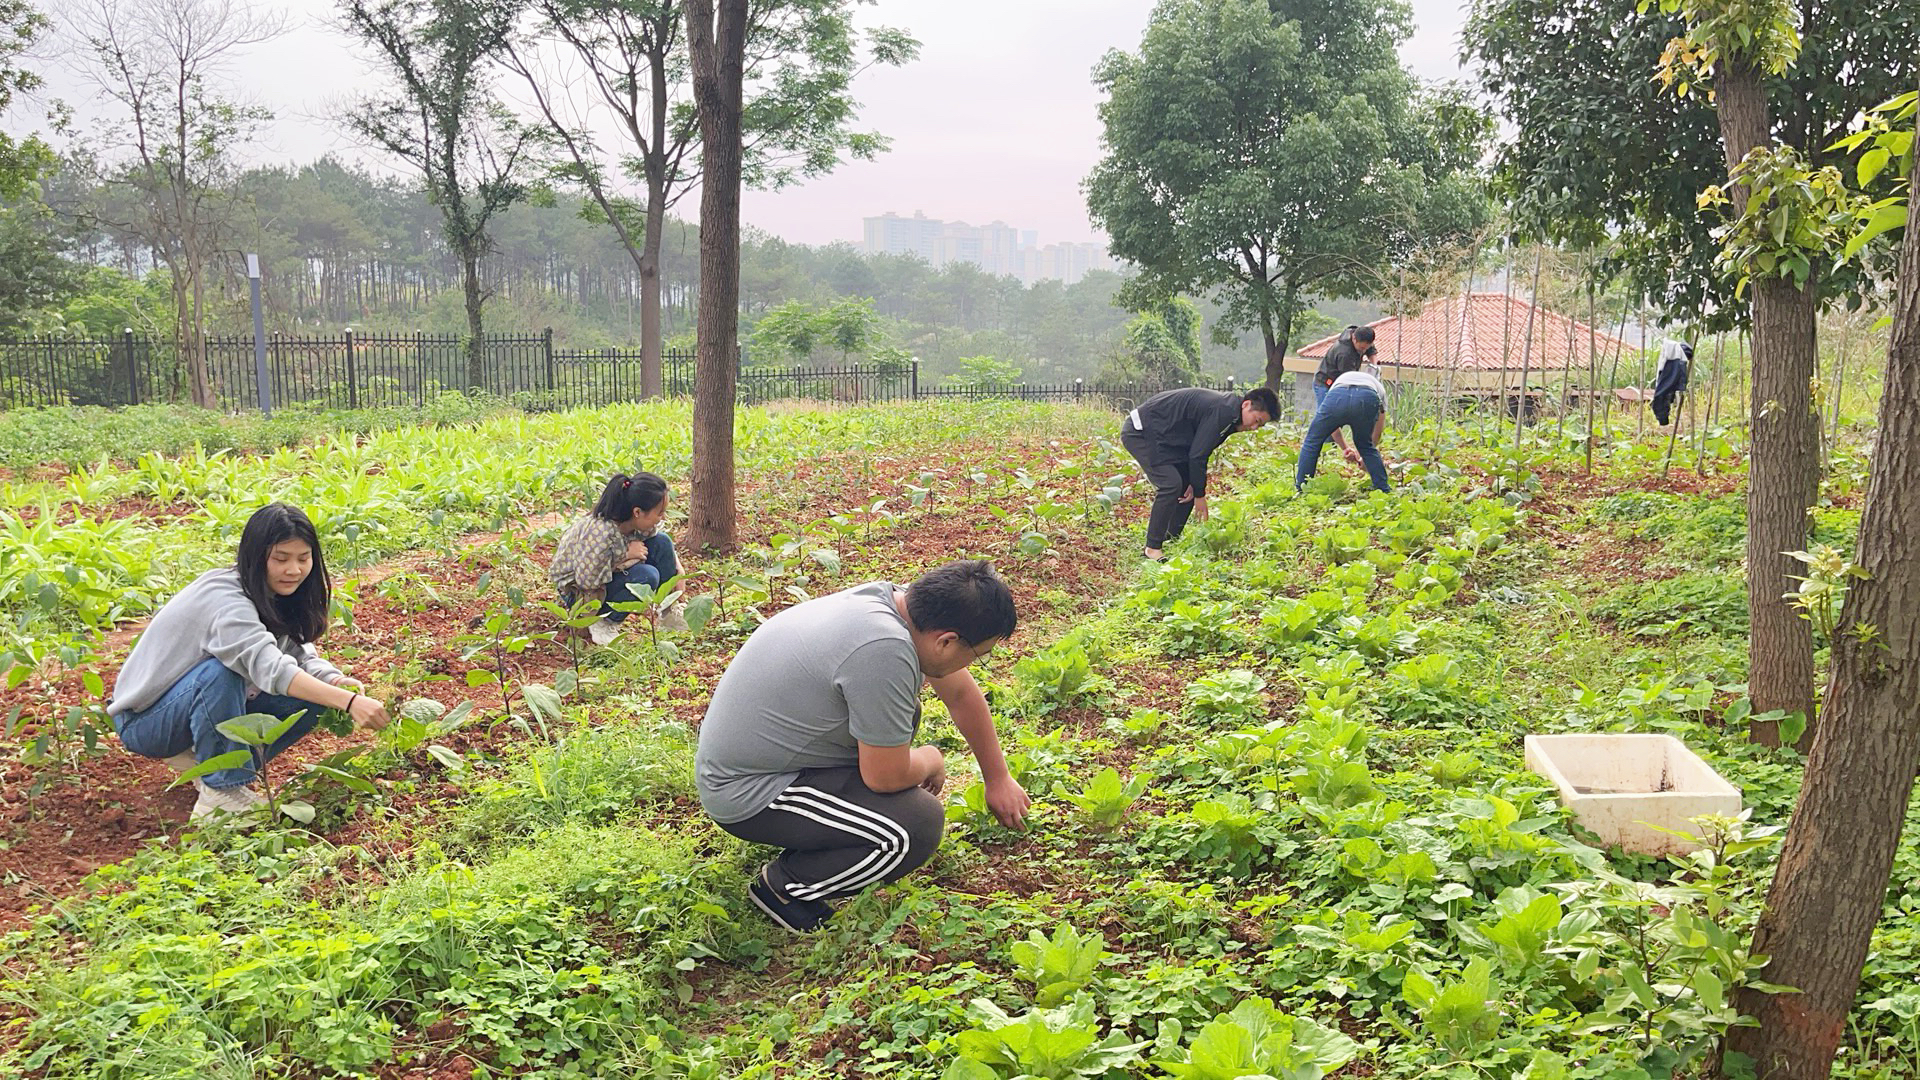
619, 544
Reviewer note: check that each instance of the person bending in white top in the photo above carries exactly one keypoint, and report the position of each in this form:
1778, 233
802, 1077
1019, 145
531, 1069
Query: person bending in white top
1356, 401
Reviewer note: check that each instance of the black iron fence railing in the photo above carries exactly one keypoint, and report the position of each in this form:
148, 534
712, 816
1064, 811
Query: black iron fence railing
356, 371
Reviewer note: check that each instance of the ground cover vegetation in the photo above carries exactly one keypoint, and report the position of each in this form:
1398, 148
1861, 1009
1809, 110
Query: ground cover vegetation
1281, 826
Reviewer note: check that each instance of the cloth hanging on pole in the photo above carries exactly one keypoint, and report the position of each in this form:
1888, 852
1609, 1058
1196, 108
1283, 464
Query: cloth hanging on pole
1676, 360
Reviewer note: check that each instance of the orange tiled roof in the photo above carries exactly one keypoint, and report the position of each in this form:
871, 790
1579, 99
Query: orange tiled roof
1484, 330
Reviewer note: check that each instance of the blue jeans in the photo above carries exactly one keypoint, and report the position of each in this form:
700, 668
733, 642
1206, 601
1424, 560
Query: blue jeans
1354, 408
187, 715
661, 565
1319, 392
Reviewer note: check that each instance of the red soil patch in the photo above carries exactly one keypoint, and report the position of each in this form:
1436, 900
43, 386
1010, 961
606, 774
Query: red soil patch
113, 803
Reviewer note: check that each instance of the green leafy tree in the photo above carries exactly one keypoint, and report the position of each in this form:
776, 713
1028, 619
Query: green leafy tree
21, 160
1276, 150
106, 300
1738, 46
29, 248
162, 163
789, 333
1830, 887
1613, 152
851, 326
443, 121
1161, 348
800, 61
985, 373
37, 275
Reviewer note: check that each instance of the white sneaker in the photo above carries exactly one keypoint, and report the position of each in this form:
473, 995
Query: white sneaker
603, 631
183, 761
232, 800
674, 619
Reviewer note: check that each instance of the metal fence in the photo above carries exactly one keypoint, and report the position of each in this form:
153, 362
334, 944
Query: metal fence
60, 371
358, 371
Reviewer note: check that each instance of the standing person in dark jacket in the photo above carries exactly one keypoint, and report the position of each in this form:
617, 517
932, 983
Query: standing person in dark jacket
1173, 433
1352, 349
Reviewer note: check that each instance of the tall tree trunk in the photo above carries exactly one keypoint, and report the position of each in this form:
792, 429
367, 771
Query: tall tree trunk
1276, 329
190, 353
1831, 884
476, 329
1783, 474
718, 48
652, 384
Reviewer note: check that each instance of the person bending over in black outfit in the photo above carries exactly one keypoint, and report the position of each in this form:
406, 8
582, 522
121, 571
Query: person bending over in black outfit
1172, 434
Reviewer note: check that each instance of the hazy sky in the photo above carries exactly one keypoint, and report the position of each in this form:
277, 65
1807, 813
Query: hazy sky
994, 121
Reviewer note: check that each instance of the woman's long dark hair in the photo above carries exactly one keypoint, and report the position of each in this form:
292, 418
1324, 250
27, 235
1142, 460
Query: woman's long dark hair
624, 494
302, 616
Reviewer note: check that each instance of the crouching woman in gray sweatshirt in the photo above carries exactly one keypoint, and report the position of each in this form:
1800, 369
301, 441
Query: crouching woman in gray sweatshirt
238, 640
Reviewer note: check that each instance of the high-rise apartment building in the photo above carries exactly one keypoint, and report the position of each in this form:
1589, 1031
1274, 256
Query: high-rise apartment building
997, 248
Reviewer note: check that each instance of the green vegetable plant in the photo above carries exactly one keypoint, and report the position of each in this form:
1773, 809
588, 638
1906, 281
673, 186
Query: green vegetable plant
257, 731
1106, 799
1256, 1039
1059, 965
1060, 1043
1361, 957
63, 734
1055, 677
1234, 695
1462, 1015
495, 640
652, 602
1224, 530
1191, 629
1234, 831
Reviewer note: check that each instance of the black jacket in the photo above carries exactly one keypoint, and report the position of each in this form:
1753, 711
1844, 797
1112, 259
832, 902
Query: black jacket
1188, 425
1343, 357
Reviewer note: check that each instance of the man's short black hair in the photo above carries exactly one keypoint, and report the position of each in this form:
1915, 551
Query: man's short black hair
966, 597
1363, 333
1265, 400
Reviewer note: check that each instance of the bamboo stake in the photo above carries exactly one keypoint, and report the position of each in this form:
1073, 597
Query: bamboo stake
1399, 340
1526, 353
1506, 328
1700, 435
1839, 382
1593, 373
1640, 380
1613, 376
1560, 412
1448, 364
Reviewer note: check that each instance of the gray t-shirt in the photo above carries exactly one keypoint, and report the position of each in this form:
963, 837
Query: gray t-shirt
809, 686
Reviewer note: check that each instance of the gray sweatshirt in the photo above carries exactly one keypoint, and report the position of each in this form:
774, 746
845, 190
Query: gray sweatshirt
211, 617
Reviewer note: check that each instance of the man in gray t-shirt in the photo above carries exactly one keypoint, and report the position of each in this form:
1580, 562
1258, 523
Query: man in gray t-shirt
808, 743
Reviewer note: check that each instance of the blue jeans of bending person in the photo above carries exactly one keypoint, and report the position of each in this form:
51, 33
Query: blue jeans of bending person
1355, 408
188, 716
661, 565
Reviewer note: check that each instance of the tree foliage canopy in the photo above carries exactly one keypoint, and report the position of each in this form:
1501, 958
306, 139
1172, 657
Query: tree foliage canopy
20, 160
1277, 151
1612, 152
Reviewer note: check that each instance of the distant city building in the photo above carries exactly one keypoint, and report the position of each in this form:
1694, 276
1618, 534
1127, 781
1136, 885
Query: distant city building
997, 248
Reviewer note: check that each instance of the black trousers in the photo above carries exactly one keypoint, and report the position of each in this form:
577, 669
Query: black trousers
1168, 518
841, 836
